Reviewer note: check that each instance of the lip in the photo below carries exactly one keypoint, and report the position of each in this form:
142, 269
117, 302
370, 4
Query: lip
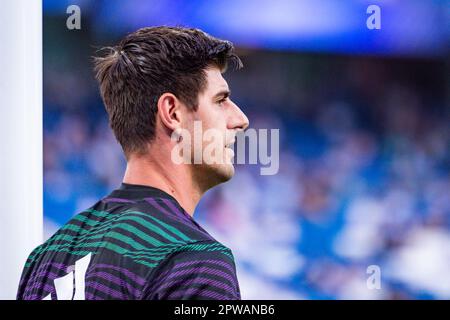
229, 152
230, 144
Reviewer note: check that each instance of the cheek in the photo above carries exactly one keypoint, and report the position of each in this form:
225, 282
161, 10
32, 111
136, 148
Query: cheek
212, 116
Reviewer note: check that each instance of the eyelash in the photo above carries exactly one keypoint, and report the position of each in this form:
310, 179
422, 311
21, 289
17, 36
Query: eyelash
222, 100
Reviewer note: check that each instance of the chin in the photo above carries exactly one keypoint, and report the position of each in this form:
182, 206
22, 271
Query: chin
212, 175
221, 173
226, 171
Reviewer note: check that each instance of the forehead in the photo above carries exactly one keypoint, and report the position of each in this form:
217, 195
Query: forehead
215, 81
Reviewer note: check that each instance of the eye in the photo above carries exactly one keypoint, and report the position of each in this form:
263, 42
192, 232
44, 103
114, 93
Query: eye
221, 101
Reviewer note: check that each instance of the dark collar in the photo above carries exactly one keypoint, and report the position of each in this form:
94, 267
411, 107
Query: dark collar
136, 192
130, 192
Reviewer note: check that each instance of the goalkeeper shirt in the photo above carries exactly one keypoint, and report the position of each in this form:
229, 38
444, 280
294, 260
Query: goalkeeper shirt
136, 243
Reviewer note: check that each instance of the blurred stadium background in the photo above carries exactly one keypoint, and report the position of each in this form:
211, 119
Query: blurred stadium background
364, 125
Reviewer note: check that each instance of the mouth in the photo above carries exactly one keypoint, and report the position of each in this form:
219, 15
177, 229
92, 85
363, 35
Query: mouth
230, 145
229, 150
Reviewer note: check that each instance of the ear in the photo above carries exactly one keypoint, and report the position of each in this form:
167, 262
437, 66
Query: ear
169, 111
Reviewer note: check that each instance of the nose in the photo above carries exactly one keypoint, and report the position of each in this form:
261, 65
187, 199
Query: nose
238, 120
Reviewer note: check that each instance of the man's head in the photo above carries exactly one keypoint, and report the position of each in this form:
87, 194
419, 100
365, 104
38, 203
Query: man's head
161, 79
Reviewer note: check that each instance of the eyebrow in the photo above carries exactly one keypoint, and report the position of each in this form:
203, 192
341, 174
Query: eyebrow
222, 94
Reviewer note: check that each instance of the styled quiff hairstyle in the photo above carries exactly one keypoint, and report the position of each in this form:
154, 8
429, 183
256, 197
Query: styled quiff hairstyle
149, 62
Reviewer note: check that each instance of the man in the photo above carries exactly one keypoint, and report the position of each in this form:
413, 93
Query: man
141, 241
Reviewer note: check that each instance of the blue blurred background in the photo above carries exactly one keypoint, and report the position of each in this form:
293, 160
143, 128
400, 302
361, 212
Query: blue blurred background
364, 126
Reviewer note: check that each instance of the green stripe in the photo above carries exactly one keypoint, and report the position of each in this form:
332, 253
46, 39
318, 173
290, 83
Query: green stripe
86, 220
127, 227
104, 227
146, 223
91, 234
201, 246
165, 225
190, 247
100, 244
111, 247
156, 229
99, 213
228, 254
141, 254
140, 234
111, 234
91, 222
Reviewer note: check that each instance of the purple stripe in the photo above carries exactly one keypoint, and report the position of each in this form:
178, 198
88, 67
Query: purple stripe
199, 280
91, 296
112, 278
139, 280
28, 295
40, 285
106, 290
46, 267
192, 292
46, 274
187, 272
200, 270
34, 282
190, 263
181, 214
36, 296
170, 214
50, 275
59, 266
107, 200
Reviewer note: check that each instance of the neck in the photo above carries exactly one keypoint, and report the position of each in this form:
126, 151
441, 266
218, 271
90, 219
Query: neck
154, 170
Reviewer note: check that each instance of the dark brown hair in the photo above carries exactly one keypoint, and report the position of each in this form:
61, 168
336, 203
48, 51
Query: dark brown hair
149, 62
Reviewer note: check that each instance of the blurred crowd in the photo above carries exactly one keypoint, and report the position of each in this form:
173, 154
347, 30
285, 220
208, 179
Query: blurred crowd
363, 180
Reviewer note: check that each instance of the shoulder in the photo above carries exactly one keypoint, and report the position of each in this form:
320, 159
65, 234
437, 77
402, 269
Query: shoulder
198, 270
167, 218
146, 233
202, 256
200, 250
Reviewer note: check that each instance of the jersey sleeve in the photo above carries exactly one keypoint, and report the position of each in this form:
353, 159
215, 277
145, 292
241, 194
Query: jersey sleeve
199, 274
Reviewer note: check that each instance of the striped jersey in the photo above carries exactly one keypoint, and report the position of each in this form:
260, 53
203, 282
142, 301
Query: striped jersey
136, 243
